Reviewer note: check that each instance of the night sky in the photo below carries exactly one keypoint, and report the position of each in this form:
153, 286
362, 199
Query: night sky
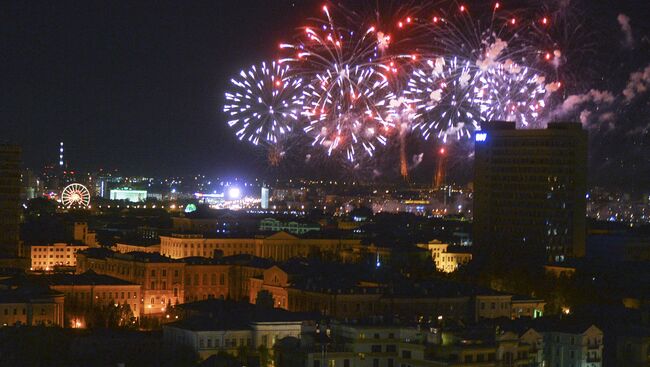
138, 86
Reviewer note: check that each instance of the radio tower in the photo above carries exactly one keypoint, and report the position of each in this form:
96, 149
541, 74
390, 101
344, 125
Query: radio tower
61, 156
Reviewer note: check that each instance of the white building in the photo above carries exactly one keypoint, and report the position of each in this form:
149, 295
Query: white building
232, 326
134, 196
573, 346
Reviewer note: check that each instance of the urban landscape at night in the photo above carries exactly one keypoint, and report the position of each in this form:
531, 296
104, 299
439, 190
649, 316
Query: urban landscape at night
300, 183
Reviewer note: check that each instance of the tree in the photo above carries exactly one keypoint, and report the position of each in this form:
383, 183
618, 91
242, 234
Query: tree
264, 299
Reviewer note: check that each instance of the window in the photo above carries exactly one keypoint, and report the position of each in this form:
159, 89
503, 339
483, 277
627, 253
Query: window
153, 272
316, 363
222, 279
390, 362
205, 279
213, 279
375, 362
392, 348
346, 363
375, 348
164, 272
196, 279
175, 273
406, 354
153, 285
153, 300
468, 357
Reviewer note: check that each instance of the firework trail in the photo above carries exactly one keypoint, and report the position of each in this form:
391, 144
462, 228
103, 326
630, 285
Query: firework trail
263, 105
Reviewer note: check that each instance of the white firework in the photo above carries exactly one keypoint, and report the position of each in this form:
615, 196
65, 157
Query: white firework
264, 103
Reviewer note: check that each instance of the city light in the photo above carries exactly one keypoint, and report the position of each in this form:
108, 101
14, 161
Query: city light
234, 193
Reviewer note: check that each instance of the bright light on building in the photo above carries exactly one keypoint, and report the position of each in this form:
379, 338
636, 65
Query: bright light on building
481, 136
133, 196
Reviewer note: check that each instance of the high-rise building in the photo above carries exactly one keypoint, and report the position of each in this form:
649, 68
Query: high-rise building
9, 199
529, 192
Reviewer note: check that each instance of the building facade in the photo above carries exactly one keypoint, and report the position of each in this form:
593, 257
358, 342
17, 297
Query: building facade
31, 307
280, 246
161, 278
570, 346
529, 192
447, 258
9, 199
84, 291
58, 254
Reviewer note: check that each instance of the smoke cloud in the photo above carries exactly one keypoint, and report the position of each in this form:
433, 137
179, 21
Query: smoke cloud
637, 84
626, 28
575, 101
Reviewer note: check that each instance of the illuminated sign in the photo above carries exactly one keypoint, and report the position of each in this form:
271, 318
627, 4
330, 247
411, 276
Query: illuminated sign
481, 136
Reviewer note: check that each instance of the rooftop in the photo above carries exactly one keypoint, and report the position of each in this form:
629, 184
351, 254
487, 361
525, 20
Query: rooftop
216, 314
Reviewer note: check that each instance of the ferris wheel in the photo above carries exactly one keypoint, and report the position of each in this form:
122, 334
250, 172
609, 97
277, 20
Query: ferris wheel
75, 195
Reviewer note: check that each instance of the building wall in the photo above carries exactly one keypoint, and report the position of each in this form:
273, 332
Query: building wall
84, 297
162, 282
180, 246
209, 342
48, 312
126, 248
529, 308
633, 351
280, 246
493, 306
47, 257
206, 281
580, 349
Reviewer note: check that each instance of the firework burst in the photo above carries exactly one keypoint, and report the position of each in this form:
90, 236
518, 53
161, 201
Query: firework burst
447, 97
263, 105
346, 91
